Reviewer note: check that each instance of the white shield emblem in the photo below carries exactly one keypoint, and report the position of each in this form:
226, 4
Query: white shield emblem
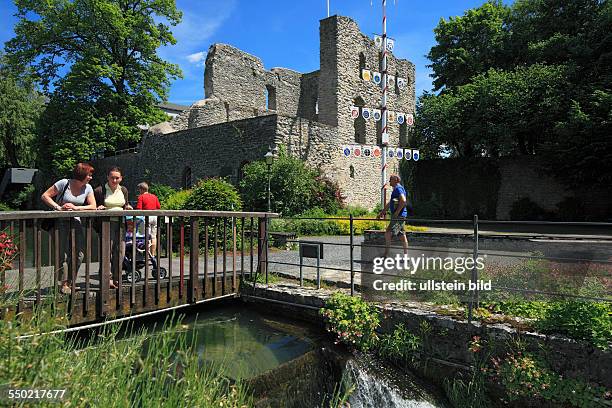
365, 112
376, 77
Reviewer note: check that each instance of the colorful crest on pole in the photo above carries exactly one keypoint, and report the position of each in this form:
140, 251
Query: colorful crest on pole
376, 77
402, 83
378, 41
346, 151
376, 151
399, 153
391, 80
391, 116
391, 153
366, 74
367, 151
357, 151
400, 118
385, 138
408, 154
415, 155
376, 114
365, 112
409, 119
390, 44
354, 112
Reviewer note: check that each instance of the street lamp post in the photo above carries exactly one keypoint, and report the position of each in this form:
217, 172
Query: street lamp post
269, 159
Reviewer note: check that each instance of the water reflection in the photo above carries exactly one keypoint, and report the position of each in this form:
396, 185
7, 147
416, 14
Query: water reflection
244, 343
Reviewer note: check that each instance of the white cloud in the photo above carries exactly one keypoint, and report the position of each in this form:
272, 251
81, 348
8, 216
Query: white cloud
197, 58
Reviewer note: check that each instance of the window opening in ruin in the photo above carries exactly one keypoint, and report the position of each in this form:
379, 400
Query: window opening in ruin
186, 183
359, 123
379, 132
362, 62
227, 112
352, 171
270, 97
317, 106
397, 90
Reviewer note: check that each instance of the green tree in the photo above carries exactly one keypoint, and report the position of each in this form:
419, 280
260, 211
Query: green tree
20, 108
531, 78
469, 45
98, 61
294, 187
498, 113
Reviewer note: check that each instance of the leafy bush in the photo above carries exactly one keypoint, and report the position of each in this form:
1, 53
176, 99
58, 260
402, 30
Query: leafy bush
294, 187
353, 320
214, 194
527, 376
177, 200
5, 207
332, 226
162, 192
580, 320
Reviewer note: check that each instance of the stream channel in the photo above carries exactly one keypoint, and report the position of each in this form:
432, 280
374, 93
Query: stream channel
289, 363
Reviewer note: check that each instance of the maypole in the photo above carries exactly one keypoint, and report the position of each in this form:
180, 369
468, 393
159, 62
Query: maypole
385, 135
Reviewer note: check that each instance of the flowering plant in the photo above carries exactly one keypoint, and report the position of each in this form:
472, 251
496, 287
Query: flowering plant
353, 320
8, 251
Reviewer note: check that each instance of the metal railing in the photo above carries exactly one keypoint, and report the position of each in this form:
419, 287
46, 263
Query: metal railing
82, 239
513, 231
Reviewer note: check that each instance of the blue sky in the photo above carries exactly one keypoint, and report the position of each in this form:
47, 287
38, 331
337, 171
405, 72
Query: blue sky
286, 33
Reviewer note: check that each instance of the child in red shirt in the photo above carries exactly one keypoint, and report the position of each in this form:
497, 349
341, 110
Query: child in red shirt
149, 201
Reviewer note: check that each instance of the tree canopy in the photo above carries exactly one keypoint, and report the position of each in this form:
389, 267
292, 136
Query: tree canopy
534, 77
97, 61
20, 109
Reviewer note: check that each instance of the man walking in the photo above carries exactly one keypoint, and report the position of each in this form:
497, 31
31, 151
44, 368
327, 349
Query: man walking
398, 206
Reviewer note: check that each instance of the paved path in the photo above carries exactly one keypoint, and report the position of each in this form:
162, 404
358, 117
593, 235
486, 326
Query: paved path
334, 266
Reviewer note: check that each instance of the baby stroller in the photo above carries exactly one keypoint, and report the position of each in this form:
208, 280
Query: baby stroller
138, 228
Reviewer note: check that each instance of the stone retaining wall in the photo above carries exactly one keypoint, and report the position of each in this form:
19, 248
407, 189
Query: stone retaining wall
449, 338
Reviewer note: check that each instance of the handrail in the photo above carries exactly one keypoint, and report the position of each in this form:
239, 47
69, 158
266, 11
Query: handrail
26, 215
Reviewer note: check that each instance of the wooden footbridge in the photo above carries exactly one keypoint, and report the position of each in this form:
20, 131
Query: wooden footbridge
201, 256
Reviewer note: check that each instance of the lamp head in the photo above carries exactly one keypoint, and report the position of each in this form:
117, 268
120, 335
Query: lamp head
269, 158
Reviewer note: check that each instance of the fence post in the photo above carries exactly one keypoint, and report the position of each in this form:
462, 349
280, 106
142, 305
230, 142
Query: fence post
351, 257
105, 268
474, 275
262, 247
474, 269
194, 253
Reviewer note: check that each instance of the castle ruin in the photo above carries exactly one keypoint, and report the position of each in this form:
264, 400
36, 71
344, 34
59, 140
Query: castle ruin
248, 109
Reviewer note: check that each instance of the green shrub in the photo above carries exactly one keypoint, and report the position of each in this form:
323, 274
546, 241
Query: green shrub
353, 320
526, 376
214, 194
177, 200
5, 207
162, 192
294, 187
580, 320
